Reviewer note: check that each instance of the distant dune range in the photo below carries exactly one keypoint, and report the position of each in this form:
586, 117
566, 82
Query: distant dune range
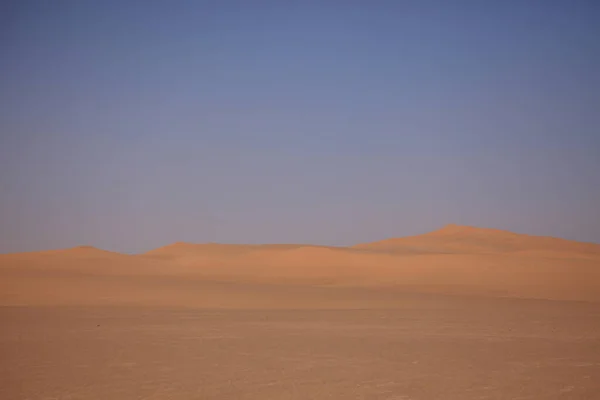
454, 260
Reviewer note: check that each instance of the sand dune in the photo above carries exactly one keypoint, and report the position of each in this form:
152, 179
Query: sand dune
453, 314
452, 260
466, 239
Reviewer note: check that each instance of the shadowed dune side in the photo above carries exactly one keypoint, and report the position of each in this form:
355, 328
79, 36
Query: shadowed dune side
454, 260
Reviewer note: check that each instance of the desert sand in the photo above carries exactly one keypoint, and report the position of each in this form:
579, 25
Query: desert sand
458, 313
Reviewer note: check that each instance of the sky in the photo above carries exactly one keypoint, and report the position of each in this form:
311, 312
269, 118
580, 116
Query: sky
129, 125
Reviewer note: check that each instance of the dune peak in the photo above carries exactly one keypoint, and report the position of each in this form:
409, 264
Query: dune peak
456, 229
176, 244
85, 247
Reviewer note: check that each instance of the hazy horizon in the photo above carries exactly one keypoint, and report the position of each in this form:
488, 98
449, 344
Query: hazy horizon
472, 233
132, 125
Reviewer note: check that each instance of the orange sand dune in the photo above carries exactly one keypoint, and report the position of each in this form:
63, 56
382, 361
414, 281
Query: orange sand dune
452, 260
465, 239
185, 250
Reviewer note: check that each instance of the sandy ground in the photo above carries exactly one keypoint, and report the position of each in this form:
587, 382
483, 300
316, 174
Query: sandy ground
428, 347
459, 313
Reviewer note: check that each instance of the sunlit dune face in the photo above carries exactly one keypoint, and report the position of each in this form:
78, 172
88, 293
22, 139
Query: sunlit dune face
453, 260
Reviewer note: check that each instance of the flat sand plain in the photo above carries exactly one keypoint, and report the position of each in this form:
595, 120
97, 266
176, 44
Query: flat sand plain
423, 347
459, 313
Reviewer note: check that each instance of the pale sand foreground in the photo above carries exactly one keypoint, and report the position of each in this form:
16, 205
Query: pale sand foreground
427, 347
459, 313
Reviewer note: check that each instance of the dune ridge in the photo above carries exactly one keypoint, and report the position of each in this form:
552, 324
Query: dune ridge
451, 260
467, 239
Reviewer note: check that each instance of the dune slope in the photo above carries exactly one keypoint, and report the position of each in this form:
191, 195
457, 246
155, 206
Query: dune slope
453, 260
466, 239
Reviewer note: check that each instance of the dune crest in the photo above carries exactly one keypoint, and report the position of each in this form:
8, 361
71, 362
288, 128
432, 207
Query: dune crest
73, 252
452, 260
473, 240
455, 229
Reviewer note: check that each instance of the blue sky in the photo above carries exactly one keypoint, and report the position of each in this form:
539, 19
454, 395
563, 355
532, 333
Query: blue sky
133, 124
